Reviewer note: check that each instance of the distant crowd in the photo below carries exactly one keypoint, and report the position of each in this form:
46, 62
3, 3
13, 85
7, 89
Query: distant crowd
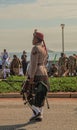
14, 66
65, 66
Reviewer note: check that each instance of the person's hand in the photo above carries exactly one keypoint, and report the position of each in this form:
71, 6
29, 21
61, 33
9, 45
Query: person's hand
31, 80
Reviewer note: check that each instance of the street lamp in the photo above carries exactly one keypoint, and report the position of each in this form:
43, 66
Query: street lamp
62, 26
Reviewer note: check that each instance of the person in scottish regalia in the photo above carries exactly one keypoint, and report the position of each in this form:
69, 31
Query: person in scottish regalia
37, 73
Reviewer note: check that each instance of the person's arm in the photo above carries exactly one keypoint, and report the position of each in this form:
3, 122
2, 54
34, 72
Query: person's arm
33, 63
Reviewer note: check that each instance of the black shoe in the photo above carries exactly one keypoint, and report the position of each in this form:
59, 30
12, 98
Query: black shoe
38, 119
36, 116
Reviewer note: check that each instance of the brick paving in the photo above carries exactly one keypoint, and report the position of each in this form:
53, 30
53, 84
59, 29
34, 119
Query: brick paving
62, 115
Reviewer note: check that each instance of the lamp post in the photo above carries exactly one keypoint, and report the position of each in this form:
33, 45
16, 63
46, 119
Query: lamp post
62, 26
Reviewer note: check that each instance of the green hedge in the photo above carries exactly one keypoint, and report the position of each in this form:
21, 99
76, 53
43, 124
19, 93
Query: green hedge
12, 84
63, 84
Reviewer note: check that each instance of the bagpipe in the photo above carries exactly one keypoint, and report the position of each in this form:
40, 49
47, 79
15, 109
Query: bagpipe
34, 93
27, 91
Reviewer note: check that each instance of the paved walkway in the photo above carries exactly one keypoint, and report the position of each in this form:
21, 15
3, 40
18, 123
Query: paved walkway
62, 115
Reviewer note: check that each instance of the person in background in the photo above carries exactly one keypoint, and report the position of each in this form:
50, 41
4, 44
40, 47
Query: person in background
54, 70
24, 62
38, 73
4, 58
1, 71
6, 72
0, 62
75, 56
62, 64
72, 65
15, 65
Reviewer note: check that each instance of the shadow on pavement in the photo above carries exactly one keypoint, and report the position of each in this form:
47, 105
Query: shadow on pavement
75, 109
16, 126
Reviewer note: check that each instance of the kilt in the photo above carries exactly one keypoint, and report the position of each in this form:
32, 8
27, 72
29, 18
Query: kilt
42, 78
41, 88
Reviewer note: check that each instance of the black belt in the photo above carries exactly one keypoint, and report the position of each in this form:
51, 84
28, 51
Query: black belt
39, 64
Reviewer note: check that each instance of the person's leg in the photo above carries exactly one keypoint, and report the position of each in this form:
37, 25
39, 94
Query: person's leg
36, 112
39, 102
40, 117
38, 107
4, 73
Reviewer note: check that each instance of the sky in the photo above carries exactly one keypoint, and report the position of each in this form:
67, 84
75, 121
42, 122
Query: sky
19, 18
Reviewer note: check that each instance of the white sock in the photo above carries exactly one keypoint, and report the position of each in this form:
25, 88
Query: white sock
41, 110
36, 109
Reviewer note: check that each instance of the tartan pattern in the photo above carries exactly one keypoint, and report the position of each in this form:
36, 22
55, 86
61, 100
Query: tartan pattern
42, 78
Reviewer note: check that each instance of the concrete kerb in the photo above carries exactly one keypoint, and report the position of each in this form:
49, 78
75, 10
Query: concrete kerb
50, 95
10, 95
